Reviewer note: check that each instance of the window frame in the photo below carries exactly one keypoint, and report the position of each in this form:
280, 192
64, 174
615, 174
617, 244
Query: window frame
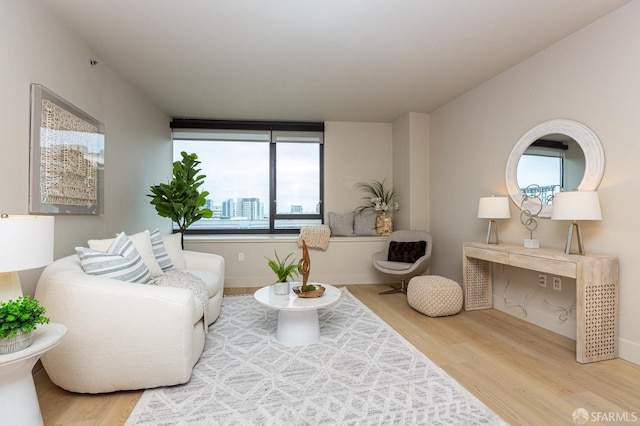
198, 126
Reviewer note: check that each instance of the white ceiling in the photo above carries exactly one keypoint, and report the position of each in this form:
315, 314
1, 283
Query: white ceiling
346, 60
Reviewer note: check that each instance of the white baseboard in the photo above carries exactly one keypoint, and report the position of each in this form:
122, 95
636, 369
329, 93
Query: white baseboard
629, 351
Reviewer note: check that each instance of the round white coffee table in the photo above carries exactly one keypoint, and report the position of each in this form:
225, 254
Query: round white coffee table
298, 323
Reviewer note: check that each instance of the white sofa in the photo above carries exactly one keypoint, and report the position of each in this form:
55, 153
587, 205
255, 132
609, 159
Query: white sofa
123, 335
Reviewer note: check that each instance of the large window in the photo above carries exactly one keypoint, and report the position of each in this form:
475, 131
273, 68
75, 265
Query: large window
261, 177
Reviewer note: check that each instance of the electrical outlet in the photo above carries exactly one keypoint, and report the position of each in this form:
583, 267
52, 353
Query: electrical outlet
542, 280
241, 257
557, 283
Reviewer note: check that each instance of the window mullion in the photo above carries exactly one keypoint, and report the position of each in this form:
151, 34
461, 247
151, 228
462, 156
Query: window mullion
273, 196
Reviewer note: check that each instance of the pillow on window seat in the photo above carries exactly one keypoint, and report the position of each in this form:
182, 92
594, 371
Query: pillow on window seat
406, 251
341, 224
365, 223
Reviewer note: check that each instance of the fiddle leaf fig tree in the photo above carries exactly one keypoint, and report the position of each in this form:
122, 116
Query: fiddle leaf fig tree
181, 200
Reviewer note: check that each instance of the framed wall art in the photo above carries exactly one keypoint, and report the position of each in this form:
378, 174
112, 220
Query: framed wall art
67, 157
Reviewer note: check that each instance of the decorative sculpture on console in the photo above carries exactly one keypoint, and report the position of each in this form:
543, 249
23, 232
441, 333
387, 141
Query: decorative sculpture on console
530, 209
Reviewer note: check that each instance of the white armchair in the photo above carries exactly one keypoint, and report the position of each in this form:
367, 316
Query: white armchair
123, 335
404, 270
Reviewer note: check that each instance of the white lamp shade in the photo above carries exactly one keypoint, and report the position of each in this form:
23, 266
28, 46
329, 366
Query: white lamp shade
576, 205
494, 208
26, 242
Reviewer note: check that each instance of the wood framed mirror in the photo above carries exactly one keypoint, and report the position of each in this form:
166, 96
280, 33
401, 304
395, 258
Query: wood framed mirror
570, 136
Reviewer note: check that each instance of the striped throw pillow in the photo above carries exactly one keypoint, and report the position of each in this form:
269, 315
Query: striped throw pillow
121, 261
160, 251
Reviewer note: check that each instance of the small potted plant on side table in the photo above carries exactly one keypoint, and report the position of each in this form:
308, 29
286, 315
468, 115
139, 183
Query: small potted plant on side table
18, 319
283, 268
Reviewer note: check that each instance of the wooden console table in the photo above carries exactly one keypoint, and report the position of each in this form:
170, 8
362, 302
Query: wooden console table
596, 289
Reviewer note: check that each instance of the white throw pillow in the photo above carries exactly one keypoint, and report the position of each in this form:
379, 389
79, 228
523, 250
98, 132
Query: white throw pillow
100, 245
121, 261
142, 243
173, 244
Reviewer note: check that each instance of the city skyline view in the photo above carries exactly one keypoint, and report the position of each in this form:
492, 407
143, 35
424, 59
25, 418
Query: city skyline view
237, 170
237, 178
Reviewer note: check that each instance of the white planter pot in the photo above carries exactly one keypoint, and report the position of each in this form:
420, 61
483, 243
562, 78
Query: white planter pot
14, 344
281, 289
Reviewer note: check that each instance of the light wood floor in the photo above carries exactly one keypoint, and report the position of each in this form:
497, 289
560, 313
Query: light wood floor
526, 374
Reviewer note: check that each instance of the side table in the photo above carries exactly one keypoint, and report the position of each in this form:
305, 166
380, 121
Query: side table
18, 399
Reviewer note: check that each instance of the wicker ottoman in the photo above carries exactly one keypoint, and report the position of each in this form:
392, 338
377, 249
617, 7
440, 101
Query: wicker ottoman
434, 296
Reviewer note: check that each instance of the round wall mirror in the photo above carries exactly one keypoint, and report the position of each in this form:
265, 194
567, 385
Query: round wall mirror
554, 155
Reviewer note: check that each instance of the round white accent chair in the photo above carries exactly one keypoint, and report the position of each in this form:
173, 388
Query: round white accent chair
403, 271
123, 335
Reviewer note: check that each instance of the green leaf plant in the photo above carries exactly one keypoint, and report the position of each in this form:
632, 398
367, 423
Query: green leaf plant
181, 200
281, 268
378, 198
23, 314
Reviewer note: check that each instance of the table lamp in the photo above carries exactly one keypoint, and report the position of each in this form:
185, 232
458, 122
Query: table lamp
26, 242
493, 208
574, 206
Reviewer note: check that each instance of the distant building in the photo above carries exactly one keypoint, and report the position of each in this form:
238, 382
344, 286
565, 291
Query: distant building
249, 208
295, 208
217, 211
229, 209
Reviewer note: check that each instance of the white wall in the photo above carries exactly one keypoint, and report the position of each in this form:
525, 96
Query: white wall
590, 77
354, 152
36, 48
411, 170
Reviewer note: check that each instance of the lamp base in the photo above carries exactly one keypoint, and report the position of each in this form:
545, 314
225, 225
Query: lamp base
493, 230
10, 288
532, 244
567, 250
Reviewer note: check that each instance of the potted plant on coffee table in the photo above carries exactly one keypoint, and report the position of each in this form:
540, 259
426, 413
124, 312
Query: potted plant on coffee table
18, 319
283, 268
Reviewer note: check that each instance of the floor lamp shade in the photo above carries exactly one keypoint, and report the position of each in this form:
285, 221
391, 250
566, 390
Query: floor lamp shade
26, 242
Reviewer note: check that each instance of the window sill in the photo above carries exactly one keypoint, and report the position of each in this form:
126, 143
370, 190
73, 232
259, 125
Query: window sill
195, 239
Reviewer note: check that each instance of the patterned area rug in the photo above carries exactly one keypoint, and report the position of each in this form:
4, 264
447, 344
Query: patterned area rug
360, 373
